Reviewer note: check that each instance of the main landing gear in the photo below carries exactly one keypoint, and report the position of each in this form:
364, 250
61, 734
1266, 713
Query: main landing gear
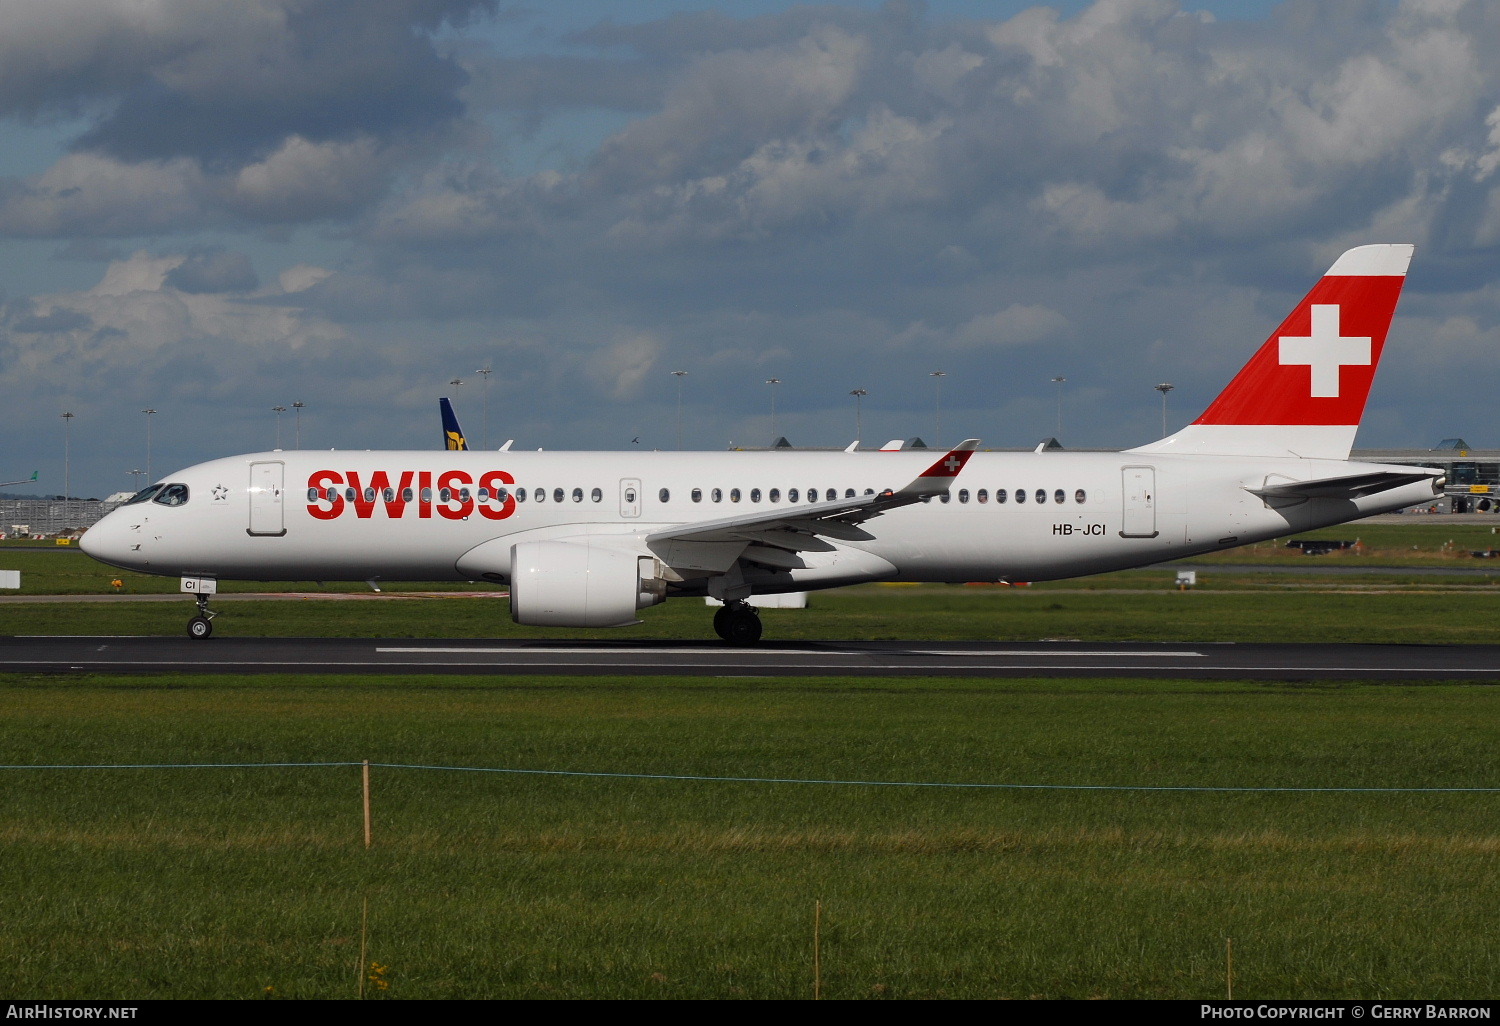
738, 623
201, 626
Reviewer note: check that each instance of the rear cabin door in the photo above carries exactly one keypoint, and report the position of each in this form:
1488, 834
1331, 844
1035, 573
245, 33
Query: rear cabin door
630, 496
267, 499
1139, 489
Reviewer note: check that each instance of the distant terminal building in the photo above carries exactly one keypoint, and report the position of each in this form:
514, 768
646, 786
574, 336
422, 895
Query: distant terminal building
30, 517
1473, 474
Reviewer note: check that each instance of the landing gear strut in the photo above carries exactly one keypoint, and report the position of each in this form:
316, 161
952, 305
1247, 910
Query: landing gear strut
738, 623
201, 626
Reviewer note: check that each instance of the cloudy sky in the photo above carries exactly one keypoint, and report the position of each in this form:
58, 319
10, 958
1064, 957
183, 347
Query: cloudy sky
214, 207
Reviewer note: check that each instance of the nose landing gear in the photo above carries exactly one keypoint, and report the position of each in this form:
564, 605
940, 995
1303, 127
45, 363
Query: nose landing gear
201, 626
738, 623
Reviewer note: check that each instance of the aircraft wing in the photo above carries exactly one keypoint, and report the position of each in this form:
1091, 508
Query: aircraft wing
1350, 486
774, 536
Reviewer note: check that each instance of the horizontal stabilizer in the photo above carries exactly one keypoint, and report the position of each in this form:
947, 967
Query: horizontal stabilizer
1350, 486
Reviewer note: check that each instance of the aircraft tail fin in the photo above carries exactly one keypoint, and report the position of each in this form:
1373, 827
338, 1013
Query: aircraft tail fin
453, 435
1304, 391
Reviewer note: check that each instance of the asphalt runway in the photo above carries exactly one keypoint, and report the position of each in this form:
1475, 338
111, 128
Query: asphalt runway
774, 659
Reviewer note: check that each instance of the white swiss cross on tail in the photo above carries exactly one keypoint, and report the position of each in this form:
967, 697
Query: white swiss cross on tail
1325, 351
1303, 392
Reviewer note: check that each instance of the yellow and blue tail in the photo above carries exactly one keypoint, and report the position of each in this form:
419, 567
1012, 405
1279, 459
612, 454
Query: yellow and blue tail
453, 435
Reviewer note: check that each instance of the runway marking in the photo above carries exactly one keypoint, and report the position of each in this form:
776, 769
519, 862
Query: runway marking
550, 650
1070, 654
842, 653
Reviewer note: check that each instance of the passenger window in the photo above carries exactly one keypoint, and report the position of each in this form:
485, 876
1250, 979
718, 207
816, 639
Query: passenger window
983, 495
501, 495
963, 495
630, 495
717, 494
445, 494
664, 495
755, 495
1079, 497
945, 497
465, 496
540, 494
1000, 496
1020, 495
350, 494
483, 495
426, 494
577, 494
775, 495
697, 494
734, 495
1059, 496
557, 495
406, 495
520, 494
848, 493
791, 495
389, 495
313, 495
333, 493
1041, 495
596, 495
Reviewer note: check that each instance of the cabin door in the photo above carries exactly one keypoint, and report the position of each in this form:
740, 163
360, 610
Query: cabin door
267, 499
1139, 487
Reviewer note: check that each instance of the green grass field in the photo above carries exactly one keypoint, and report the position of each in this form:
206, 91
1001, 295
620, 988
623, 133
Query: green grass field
222, 883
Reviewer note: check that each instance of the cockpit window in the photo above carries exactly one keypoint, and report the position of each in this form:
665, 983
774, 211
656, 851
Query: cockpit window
144, 495
172, 495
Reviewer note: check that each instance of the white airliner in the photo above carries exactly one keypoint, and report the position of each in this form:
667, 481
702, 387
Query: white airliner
586, 539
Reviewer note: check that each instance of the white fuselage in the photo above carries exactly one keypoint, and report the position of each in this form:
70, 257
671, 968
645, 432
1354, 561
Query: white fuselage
303, 515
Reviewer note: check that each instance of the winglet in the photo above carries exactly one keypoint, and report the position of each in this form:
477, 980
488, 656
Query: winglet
936, 478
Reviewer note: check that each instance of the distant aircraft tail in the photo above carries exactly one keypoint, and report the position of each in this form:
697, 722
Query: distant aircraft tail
453, 435
1303, 392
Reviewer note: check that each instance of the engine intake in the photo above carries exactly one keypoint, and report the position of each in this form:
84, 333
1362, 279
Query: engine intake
581, 584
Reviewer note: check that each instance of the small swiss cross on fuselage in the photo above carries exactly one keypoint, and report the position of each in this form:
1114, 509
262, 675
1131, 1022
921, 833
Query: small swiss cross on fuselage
1324, 351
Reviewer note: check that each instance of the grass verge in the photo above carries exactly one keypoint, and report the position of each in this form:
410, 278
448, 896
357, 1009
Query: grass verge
251, 882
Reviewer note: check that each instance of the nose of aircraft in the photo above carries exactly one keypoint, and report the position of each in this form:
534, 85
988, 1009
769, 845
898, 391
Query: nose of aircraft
108, 541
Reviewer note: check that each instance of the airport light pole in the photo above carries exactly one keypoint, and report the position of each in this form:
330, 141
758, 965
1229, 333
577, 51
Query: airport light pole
298, 406
775, 434
67, 466
1058, 381
485, 424
135, 479
148, 412
937, 380
1164, 388
859, 427
278, 410
679, 375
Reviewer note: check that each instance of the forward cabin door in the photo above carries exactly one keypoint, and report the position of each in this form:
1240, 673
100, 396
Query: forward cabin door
1139, 490
630, 497
267, 499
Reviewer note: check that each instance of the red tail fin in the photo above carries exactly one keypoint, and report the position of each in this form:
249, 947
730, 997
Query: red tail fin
1303, 393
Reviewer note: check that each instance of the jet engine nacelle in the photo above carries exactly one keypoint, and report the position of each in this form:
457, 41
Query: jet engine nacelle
581, 584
